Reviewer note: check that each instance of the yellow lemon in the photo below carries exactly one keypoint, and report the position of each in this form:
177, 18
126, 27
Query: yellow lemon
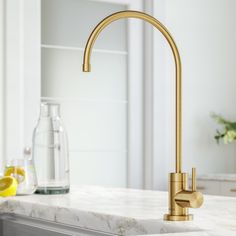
17, 172
8, 186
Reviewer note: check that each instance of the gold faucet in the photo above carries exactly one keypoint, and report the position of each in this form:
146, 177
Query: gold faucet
180, 198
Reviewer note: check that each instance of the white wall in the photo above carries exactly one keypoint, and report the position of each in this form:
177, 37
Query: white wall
1, 78
205, 34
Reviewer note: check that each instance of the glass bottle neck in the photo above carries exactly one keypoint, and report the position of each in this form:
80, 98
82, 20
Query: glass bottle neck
49, 110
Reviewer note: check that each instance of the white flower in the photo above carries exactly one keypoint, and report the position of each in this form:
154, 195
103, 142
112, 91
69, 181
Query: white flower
230, 136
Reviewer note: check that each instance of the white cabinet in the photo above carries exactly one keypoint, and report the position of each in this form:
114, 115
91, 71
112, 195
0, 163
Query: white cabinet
208, 187
25, 226
217, 187
93, 105
102, 110
228, 188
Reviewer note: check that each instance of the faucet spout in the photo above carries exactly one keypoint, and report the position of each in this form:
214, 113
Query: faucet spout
180, 197
143, 16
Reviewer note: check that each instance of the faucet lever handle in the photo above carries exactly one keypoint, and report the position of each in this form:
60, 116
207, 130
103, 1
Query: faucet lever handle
194, 188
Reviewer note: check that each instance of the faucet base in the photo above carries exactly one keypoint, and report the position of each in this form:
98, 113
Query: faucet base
178, 218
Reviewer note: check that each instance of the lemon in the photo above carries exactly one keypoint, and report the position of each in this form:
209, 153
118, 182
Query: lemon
8, 186
17, 172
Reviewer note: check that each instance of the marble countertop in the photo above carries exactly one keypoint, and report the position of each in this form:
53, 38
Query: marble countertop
199, 233
124, 211
218, 177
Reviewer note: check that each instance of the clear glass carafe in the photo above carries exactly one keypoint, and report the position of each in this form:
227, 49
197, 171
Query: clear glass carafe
50, 151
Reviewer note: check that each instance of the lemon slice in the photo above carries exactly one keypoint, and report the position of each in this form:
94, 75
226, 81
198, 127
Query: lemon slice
8, 186
17, 172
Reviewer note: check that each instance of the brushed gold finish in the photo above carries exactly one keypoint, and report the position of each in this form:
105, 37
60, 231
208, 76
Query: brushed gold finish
177, 183
140, 15
178, 218
180, 198
191, 199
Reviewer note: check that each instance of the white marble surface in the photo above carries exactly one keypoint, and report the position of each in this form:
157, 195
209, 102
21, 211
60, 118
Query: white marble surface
124, 211
218, 177
199, 233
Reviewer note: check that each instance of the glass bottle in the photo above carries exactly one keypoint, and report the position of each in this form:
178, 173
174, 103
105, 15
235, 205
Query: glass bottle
50, 151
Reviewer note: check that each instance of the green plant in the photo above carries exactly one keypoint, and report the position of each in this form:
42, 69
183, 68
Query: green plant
228, 134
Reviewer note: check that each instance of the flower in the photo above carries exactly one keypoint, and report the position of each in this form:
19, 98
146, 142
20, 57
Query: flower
229, 136
229, 129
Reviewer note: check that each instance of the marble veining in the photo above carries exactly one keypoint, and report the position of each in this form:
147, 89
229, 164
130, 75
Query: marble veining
123, 211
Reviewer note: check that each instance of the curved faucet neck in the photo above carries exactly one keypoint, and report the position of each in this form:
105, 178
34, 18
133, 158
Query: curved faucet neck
170, 40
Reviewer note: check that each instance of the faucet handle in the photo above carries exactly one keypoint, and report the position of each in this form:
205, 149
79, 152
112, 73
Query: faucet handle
194, 188
190, 198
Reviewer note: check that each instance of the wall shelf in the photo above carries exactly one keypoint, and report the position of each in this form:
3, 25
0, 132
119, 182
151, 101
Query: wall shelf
59, 47
79, 100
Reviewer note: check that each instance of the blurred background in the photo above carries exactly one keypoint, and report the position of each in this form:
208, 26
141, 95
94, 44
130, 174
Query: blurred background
120, 118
